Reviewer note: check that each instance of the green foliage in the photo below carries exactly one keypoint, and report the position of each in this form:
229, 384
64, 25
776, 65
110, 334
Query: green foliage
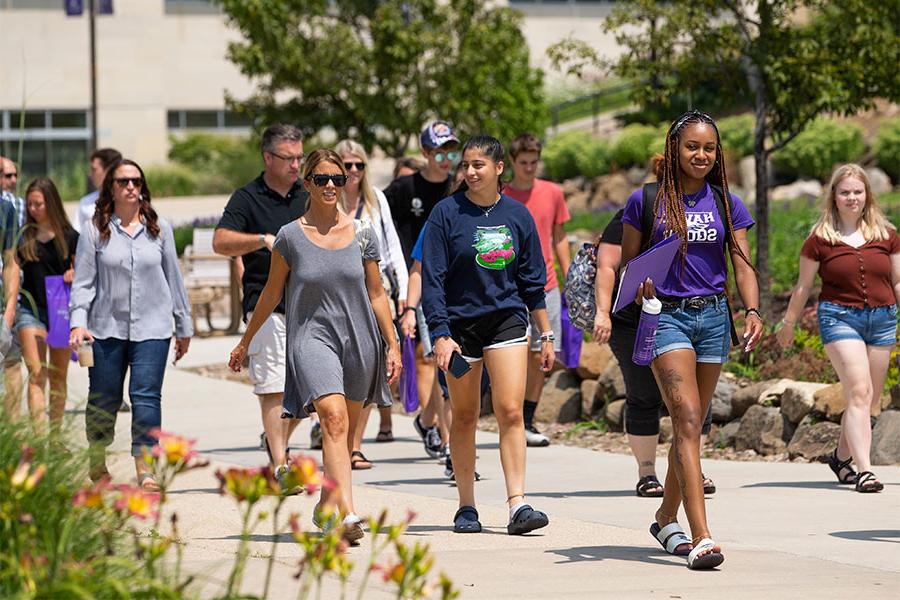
575, 153
401, 63
886, 147
599, 425
593, 160
172, 180
736, 134
592, 221
227, 162
819, 147
635, 145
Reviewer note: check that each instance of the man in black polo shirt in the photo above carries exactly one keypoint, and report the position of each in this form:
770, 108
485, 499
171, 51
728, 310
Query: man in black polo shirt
252, 217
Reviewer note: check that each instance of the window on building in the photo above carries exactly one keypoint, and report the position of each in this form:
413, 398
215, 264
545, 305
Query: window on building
51, 141
207, 120
192, 7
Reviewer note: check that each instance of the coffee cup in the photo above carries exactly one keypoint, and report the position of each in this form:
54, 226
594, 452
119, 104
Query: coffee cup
86, 354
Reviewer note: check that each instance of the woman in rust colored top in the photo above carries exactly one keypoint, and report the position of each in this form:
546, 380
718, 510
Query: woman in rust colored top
856, 252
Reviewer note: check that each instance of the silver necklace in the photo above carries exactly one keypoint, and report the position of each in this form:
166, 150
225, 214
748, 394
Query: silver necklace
487, 210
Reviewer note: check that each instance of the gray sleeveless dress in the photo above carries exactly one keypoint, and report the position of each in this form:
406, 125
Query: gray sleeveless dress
333, 345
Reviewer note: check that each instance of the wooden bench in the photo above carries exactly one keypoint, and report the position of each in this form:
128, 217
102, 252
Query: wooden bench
208, 278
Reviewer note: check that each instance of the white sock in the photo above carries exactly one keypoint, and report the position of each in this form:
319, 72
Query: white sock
515, 508
351, 519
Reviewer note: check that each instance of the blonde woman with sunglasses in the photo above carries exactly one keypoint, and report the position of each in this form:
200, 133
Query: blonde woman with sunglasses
337, 312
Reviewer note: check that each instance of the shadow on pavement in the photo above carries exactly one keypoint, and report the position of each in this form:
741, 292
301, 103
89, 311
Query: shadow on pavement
421, 480
195, 491
809, 485
585, 494
626, 553
262, 537
892, 536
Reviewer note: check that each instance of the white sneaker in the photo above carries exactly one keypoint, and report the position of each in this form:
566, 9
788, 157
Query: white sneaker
535, 438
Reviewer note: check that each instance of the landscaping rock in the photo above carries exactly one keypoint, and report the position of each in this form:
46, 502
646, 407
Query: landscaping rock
611, 190
721, 401
594, 359
745, 397
726, 434
572, 186
771, 394
814, 440
560, 400
798, 399
830, 402
665, 430
886, 439
590, 404
615, 411
879, 181
763, 429
636, 176
611, 384
578, 201
808, 189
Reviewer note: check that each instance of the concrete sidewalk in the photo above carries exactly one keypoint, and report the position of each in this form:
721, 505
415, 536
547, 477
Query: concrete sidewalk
787, 530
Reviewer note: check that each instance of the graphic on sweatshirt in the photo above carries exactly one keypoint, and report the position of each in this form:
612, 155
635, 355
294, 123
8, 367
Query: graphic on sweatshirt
494, 246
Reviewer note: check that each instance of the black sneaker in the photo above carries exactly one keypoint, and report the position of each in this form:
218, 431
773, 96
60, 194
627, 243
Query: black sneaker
535, 438
448, 470
433, 443
417, 423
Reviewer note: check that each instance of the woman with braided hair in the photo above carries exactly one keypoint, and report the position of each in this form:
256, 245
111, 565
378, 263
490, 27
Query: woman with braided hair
694, 332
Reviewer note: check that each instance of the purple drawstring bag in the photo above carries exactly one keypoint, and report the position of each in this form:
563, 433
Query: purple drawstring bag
571, 338
409, 391
57, 311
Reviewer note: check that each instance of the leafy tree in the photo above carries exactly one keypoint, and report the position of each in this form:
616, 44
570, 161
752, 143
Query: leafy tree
379, 70
795, 59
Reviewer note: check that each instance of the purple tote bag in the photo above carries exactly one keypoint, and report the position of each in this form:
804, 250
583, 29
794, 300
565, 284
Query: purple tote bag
57, 311
409, 392
571, 338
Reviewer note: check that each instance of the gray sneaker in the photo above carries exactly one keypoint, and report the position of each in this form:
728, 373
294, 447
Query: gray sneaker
535, 438
280, 474
433, 443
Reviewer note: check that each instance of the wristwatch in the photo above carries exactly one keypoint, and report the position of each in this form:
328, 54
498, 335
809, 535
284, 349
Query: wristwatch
262, 239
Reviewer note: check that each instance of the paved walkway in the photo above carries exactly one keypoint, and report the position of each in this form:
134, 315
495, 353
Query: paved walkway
788, 531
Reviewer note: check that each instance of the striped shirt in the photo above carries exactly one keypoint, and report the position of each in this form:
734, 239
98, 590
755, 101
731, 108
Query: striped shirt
129, 287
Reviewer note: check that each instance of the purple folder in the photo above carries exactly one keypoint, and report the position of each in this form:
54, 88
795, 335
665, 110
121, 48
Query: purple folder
654, 263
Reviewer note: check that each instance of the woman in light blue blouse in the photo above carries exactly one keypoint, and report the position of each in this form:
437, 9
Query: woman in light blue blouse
127, 289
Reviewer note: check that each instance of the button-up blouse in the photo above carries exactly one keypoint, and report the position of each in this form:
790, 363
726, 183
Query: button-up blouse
129, 286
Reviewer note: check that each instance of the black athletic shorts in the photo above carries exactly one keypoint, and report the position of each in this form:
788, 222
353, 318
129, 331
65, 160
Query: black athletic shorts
497, 330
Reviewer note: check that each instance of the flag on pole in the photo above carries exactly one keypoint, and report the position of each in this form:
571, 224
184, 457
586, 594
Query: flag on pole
105, 7
74, 8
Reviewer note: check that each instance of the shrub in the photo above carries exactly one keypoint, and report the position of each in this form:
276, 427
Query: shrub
634, 146
823, 144
886, 147
574, 153
736, 134
222, 162
172, 180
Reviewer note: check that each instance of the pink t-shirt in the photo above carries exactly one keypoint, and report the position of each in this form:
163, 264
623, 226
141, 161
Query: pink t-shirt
547, 206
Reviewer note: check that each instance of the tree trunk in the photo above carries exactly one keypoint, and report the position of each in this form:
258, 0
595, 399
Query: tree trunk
761, 155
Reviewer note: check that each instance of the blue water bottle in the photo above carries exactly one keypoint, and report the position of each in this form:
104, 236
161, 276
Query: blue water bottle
645, 340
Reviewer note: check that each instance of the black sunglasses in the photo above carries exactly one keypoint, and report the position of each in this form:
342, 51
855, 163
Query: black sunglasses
360, 166
321, 180
124, 181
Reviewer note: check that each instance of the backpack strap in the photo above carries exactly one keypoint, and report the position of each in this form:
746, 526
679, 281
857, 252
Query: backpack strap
723, 205
648, 199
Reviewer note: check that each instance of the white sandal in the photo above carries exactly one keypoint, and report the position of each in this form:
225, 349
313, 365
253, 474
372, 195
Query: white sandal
705, 556
670, 537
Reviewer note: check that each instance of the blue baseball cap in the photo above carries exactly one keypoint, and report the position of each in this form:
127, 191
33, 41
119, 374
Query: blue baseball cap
437, 134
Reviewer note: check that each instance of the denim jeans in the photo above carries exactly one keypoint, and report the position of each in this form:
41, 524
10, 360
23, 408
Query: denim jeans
112, 358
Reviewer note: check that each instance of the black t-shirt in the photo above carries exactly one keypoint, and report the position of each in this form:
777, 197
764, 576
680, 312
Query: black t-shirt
49, 262
257, 208
629, 315
411, 199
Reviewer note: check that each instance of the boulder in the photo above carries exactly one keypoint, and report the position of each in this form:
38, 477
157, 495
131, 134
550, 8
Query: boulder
726, 434
771, 394
615, 414
745, 397
830, 402
611, 384
665, 430
594, 358
798, 399
590, 404
886, 439
560, 399
814, 440
571, 186
763, 429
611, 191
879, 181
578, 202
636, 176
721, 401
808, 189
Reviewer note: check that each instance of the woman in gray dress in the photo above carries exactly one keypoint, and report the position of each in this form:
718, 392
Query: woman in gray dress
338, 324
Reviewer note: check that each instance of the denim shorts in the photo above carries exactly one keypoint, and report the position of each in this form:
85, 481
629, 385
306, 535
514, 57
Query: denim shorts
705, 330
873, 326
26, 317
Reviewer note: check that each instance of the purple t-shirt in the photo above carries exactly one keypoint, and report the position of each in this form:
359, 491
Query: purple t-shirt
704, 267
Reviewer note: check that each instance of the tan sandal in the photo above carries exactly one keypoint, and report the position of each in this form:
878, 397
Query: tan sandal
148, 483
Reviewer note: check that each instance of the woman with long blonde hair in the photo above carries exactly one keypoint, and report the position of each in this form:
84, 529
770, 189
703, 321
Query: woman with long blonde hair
365, 202
856, 252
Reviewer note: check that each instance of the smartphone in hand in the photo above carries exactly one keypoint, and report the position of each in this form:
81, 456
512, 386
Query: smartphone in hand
458, 365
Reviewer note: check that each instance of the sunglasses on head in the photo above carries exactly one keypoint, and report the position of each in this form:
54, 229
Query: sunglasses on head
321, 180
442, 156
360, 166
124, 181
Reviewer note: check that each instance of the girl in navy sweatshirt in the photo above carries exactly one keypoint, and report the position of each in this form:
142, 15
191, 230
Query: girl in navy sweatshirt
482, 274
